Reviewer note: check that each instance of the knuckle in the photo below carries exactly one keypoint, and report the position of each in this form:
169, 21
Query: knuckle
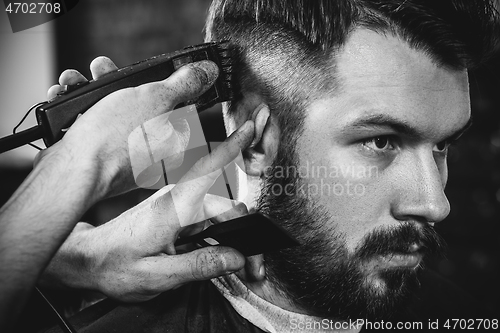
200, 269
207, 265
141, 281
148, 89
117, 287
156, 204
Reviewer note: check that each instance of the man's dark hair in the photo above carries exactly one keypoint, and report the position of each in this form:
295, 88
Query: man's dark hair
282, 47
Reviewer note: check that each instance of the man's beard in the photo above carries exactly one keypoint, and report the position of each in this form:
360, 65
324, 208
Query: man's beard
321, 276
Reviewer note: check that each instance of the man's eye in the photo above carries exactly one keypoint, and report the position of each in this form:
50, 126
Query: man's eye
441, 147
379, 143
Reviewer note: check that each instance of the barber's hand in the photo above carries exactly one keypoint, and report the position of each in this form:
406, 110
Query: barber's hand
98, 68
99, 138
133, 258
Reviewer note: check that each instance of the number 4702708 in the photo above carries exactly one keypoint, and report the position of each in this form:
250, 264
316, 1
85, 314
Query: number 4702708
471, 324
33, 8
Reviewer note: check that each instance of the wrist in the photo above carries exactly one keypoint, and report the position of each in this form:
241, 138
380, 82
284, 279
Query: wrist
78, 170
71, 265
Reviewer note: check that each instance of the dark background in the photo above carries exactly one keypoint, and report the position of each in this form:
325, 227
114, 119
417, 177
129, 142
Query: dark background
128, 31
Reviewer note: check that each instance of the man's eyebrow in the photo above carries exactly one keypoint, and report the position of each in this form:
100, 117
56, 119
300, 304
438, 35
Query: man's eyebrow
397, 125
383, 120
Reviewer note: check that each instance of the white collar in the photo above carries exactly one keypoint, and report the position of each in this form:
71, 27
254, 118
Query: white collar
269, 317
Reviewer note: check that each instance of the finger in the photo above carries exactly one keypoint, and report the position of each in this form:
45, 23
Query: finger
192, 80
216, 209
101, 66
186, 198
254, 268
70, 77
184, 203
203, 264
220, 209
53, 91
206, 170
187, 83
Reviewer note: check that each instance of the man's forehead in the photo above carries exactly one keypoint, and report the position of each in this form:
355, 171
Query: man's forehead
370, 58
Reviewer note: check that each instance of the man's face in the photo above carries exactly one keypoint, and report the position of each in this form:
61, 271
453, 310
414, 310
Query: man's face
370, 172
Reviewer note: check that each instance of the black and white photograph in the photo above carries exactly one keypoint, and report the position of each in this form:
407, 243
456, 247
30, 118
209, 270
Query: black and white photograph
244, 166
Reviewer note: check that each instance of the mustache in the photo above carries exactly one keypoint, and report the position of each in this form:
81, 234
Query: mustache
400, 239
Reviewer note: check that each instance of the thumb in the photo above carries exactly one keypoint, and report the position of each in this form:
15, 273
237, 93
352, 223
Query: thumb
205, 263
192, 80
187, 83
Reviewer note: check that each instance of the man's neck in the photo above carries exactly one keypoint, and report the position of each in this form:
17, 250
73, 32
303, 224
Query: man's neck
267, 309
248, 193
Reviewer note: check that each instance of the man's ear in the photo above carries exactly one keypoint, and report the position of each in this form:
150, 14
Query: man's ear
262, 151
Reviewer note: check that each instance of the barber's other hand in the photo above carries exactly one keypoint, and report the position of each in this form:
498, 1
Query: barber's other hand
99, 138
133, 258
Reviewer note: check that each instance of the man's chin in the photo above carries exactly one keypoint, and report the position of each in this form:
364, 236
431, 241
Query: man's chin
387, 291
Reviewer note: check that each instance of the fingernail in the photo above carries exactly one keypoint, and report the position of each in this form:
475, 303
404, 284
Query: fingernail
262, 271
234, 262
207, 72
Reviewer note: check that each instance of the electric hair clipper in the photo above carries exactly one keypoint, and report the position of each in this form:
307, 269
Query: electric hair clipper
55, 116
250, 234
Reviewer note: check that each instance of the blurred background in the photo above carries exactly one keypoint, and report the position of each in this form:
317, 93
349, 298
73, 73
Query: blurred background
129, 31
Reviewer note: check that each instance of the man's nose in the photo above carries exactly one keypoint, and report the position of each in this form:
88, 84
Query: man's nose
421, 194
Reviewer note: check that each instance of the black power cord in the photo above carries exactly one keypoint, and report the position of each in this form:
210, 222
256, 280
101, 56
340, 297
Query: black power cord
61, 320
21, 138
25, 137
